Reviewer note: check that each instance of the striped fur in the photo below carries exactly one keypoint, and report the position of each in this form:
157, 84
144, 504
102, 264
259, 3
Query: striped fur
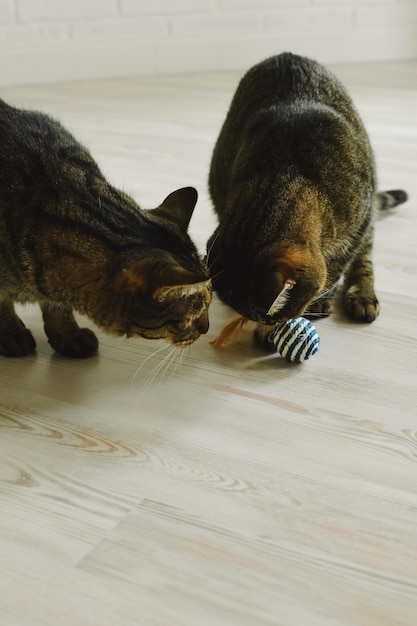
292, 180
72, 242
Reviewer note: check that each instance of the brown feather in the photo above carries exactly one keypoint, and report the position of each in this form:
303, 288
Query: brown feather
230, 332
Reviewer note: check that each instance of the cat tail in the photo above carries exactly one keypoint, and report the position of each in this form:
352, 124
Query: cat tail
385, 200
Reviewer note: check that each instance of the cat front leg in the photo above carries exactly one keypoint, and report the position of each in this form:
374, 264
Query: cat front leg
15, 339
359, 299
64, 334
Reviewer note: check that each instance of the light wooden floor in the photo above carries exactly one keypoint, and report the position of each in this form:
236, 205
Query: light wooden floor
229, 489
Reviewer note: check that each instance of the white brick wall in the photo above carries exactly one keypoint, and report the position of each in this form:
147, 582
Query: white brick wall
165, 7
7, 8
44, 40
64, 10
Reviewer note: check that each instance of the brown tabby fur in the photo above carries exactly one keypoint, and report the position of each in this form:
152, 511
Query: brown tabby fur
71, 241
292, 180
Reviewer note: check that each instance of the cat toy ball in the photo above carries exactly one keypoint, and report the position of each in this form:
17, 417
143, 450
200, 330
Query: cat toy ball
296, 340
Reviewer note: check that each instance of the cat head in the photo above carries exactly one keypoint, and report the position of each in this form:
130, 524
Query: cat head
162, 290
266, 283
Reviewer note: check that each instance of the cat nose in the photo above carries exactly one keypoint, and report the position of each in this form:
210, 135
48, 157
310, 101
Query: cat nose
203, 325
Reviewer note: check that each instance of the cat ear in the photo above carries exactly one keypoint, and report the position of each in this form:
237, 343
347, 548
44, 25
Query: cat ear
185, 285
159, 280
178, 207
134, 277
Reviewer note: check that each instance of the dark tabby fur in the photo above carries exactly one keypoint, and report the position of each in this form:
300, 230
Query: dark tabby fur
71, 241
293, 183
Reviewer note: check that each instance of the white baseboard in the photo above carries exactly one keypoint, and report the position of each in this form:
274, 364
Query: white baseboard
130, 58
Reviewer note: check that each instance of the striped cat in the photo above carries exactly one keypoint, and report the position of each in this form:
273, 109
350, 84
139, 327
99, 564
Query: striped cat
292, 180
72, 242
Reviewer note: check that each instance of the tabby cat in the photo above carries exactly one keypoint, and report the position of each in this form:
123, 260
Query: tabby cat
71, 241
292, 180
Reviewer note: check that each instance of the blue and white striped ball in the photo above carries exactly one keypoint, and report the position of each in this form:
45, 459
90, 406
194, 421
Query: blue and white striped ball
296, 340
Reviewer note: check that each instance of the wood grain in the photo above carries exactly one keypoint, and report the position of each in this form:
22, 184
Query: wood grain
217, 487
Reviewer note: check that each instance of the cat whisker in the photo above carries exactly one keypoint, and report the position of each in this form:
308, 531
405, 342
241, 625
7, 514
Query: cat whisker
151, 356
323, 294
327, 294
217, 274
317, 315
179, 357
175, 357
153, 374
146, 382
211, 247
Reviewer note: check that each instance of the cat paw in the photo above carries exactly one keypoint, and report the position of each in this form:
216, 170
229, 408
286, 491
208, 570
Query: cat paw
19, 342
77, 343
361, 307
261, 336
